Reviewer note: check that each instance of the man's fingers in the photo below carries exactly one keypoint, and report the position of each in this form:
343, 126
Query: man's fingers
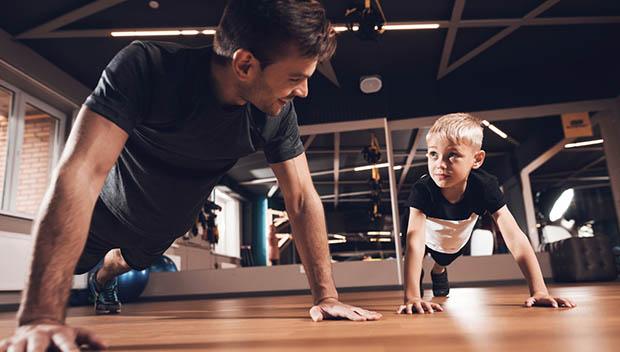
409, 308
351, 314
368, 314
316, 314
530, 302
17, 346
4, 344
64, 342
87, 337
401, 309
38, 343
437, 307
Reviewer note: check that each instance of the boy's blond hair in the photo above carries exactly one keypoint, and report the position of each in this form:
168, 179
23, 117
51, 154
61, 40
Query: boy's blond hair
458, 128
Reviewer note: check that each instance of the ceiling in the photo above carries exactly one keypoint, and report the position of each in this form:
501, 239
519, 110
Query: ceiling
570, 54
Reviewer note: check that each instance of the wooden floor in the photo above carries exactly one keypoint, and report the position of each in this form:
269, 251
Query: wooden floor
475, 319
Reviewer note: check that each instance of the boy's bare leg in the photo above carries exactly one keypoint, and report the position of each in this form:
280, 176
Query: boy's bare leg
438, 269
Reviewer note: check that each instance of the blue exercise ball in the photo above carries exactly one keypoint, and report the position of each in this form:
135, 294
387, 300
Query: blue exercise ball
131, 284
163, 264
79, 297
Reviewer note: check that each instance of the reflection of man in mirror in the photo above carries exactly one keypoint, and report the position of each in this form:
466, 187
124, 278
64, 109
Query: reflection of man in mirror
274, 250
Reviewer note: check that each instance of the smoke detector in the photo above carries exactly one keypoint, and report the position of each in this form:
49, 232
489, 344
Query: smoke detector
370, 84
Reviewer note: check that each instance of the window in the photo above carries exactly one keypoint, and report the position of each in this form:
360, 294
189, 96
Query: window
229, 224
6, 99
30, 140
36, 159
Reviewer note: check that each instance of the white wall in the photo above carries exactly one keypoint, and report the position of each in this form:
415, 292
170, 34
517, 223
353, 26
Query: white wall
15, 254
499, 267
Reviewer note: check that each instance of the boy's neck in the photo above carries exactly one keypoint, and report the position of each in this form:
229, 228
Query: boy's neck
455, 193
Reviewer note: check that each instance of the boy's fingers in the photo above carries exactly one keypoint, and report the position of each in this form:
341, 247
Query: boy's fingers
566, 302
419, 308
428, 307
553, 302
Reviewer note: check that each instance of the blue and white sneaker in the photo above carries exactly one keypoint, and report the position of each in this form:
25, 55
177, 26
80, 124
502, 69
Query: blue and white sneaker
105, 298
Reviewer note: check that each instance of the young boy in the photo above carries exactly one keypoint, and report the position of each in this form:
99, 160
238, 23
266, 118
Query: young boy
444, 207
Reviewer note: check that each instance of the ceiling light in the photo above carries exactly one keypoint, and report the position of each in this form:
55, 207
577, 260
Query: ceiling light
272, 191
145, 33
584, 143
561, 205
378, 233
370, 84
378, 166
161, 33
397, 27
494, 129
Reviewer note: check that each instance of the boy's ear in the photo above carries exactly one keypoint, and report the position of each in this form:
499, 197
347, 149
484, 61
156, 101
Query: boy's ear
479, 158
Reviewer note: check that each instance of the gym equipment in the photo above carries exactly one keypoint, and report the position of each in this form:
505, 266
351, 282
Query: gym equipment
163, 264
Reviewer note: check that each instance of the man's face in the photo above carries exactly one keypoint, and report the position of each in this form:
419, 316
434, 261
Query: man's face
277, 84
449, 164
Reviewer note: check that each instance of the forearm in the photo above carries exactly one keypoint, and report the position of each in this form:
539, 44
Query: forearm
309, 229
413, 268
526, 259
60, 233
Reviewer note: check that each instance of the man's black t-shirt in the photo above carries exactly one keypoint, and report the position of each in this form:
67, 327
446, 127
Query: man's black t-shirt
449, 225
181, 141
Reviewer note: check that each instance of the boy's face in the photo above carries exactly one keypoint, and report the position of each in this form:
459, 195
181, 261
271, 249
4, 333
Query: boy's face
271, 88
449, 164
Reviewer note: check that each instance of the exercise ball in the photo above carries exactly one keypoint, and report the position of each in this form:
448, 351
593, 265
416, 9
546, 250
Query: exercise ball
162, 264
131, 284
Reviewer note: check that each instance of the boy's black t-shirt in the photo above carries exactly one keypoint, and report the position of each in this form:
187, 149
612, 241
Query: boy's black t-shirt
448, 225
181, 141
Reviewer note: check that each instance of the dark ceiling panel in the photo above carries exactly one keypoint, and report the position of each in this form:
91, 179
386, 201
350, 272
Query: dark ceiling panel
467, 39
395, 10
171, 13
19, 16
570, 8
481, 9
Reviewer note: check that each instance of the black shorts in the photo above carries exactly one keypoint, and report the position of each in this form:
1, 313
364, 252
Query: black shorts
444, 259
107, 232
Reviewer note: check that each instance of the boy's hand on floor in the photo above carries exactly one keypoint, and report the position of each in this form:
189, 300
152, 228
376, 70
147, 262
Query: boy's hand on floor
420, 306
541, 299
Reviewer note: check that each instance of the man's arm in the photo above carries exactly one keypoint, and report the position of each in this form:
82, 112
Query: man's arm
61, 227
524, 255
305, 212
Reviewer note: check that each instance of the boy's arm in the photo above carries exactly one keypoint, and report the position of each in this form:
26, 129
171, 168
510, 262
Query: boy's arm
524, 255
414, 255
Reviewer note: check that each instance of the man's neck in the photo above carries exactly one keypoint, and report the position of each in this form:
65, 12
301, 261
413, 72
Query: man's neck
222, 82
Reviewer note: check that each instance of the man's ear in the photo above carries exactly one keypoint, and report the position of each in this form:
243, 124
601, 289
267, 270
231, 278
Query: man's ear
479, 158
244, 64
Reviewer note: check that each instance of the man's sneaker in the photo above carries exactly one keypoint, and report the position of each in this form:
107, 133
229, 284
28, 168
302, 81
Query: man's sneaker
441, 286
105, 298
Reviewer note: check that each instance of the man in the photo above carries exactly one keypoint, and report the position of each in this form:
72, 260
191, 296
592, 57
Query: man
164, 123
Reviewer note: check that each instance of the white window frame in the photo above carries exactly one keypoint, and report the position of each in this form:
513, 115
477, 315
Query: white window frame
15, 141
226, 237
